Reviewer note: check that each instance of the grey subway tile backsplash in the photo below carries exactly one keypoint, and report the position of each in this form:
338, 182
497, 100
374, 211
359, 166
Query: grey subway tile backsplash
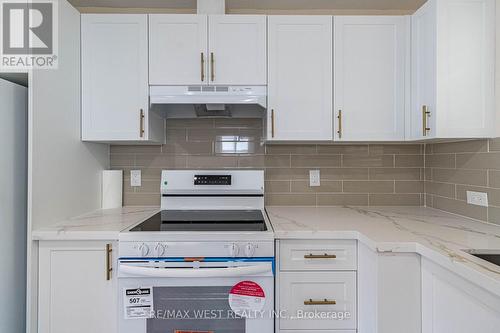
477, 168
351, 174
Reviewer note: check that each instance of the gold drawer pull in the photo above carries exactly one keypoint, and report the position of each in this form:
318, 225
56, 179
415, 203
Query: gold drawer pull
202, 67
320, 302
425, 114
109, 268
141, 123
212, 67
272, 123
320, 256
339, 131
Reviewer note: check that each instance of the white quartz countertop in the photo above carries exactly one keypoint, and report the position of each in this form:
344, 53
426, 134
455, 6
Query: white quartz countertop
436, 235
103, 224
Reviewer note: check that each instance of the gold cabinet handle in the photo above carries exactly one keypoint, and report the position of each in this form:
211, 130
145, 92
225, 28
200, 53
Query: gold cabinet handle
272, 123
339, 131
109, 268
141, 123
212, 67
425, 114
319, 302
320, 256
202, 67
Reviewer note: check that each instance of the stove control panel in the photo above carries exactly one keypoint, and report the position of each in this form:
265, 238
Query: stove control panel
193, 249
212, 179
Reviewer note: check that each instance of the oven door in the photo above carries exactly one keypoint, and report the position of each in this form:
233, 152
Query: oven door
216, 295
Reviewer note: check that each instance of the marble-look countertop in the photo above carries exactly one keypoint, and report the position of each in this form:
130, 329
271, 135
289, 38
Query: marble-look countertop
436, 235
103, 224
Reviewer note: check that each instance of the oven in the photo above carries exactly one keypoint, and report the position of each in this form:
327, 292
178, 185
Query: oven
196, 295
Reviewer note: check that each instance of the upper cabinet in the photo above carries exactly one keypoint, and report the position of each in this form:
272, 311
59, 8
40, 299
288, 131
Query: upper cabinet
300, 78
177, 49
371, 58
115, 80
200, 49
237, 49
453, 70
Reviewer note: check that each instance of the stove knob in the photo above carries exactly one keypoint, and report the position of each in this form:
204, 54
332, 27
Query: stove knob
144, 249
233, 249
159, 249
249, 250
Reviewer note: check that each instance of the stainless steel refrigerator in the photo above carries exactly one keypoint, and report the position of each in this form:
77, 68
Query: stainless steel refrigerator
13, 199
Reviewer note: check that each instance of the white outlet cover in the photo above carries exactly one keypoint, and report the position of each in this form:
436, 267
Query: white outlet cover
477, 198
135, 178
314, 178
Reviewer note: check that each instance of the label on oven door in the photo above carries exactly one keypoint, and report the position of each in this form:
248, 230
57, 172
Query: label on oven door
138, 303
246, 298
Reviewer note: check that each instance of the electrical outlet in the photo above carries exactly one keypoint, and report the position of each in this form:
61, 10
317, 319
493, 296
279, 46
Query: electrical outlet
135, 178
477, 198
314, 178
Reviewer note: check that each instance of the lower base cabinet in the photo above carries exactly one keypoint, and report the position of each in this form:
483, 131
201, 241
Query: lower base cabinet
317, 286
305, 294
452, 304
76, 294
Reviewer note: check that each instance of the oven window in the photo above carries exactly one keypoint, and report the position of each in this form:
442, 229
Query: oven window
194, 310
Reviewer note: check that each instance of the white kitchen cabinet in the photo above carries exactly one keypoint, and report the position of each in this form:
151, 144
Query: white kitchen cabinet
75, 293
178, 49
299, 78
371, 64
303, 292
452, 304
453, 70
201, 49
237, 49
115, 80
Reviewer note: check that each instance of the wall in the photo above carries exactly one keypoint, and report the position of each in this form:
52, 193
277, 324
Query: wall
350, 174
13, 219
72, 185
454, 168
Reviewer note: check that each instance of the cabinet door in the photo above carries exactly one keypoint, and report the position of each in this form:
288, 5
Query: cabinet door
466, 68
177, 49
423, 100
452, 304
237, 49
114, 77
74, 293
370, 63
300, 78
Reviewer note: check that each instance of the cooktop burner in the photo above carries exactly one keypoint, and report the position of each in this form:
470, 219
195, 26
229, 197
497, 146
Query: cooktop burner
204, 220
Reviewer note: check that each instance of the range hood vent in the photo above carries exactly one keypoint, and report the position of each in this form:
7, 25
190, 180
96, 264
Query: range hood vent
202, 94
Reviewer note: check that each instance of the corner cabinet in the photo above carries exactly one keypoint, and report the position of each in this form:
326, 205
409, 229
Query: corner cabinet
371, 60
115, 96
453, 70
300, 78
76, 294
200, 49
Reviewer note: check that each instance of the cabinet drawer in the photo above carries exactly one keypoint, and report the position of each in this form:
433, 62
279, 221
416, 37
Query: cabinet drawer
327, 294
318, 255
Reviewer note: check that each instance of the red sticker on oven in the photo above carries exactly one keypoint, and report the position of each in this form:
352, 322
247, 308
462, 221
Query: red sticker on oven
246, 298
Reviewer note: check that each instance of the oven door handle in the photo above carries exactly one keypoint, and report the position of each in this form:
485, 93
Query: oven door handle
194, 272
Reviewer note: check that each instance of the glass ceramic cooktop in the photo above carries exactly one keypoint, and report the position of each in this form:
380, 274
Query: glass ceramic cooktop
204, 220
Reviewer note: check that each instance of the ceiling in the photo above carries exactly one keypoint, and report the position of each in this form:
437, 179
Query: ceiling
232, 5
